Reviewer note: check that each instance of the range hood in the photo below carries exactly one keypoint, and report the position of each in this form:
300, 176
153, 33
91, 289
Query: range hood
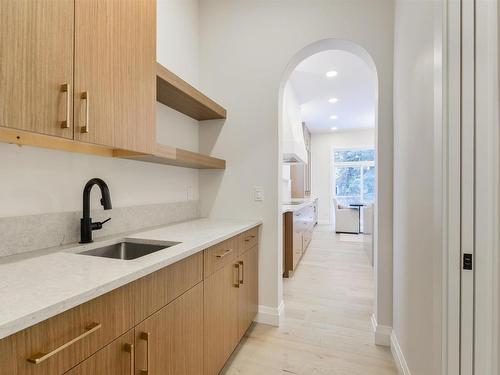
294, 147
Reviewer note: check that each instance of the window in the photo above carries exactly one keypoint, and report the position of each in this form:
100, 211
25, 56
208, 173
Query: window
354, 175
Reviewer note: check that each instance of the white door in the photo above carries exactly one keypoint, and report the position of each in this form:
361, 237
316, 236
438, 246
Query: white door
486, 212
468, 191
479, 188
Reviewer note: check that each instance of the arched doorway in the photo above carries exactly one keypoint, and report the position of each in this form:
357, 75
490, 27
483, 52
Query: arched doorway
382, 315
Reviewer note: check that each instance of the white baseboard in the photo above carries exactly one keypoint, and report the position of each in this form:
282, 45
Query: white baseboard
382, 333
270, 315
399, 358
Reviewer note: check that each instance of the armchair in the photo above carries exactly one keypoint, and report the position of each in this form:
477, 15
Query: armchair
346, 219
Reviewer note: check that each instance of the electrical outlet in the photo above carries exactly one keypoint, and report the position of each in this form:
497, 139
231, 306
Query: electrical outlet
258, 194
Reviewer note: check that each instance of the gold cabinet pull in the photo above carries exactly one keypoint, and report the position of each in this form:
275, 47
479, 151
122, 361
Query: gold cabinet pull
65, 124
242, 272
146, 336
222, 255
130, 349
247, 239
85, 127
237, 283
40, 357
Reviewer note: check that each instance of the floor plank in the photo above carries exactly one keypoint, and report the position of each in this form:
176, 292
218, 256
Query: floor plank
326, 328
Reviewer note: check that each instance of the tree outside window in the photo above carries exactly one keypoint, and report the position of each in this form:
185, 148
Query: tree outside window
354, 175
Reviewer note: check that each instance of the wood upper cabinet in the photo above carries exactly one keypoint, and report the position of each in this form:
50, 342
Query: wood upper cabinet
115, 359
36, 65
115, 73
170, 342
221, 317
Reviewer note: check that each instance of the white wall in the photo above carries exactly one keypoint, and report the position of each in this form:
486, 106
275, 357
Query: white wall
245, 47
322, 167
417, 325
36, 181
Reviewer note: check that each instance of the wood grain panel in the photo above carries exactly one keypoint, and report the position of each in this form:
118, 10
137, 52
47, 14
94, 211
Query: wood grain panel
252, 280
36, 58
115, 63
156, 290
220, 255
249, 239
220, 318
243, 294
176, 93
167, 155
113, 311
249, 289
26, 138
116, 358
288, 243
175, 337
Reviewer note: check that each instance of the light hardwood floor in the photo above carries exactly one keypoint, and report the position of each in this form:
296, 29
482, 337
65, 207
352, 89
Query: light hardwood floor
326, 328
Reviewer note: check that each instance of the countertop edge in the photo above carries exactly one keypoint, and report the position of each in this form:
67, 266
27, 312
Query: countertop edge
28, 320
296, 207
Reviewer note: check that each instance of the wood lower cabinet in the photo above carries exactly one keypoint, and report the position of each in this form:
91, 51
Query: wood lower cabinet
159, 288
57, 344
115, 73
231, 301
115, 359
298, 227
248, 293
36, 65
178, 320
170, 342
221, 317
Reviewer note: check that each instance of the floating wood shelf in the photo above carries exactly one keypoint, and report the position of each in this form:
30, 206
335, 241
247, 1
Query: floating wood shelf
176, 93
26, 138
174, 156
162, 155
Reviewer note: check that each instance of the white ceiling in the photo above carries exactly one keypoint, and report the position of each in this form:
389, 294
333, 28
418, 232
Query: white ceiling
354, 87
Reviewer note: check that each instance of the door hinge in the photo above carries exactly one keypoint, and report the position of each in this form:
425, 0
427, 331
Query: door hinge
467, 264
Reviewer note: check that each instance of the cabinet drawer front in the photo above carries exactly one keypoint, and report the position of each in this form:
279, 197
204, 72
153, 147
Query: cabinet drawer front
65, 340
115, 359
249, 239
217, 256
154, 291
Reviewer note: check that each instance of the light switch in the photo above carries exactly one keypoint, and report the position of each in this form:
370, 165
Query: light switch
259, 194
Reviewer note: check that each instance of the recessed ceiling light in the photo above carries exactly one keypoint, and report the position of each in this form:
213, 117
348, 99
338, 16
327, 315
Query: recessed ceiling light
331, 73
334, 117
333, 100
334, 128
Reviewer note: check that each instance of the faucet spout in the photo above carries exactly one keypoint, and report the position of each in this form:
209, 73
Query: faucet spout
86, 224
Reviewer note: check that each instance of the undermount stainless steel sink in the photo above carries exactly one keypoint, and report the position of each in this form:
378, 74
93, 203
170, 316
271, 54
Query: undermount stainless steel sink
127, 250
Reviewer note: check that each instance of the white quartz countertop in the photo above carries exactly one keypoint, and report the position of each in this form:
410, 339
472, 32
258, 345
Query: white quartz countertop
298, 205
39, 287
